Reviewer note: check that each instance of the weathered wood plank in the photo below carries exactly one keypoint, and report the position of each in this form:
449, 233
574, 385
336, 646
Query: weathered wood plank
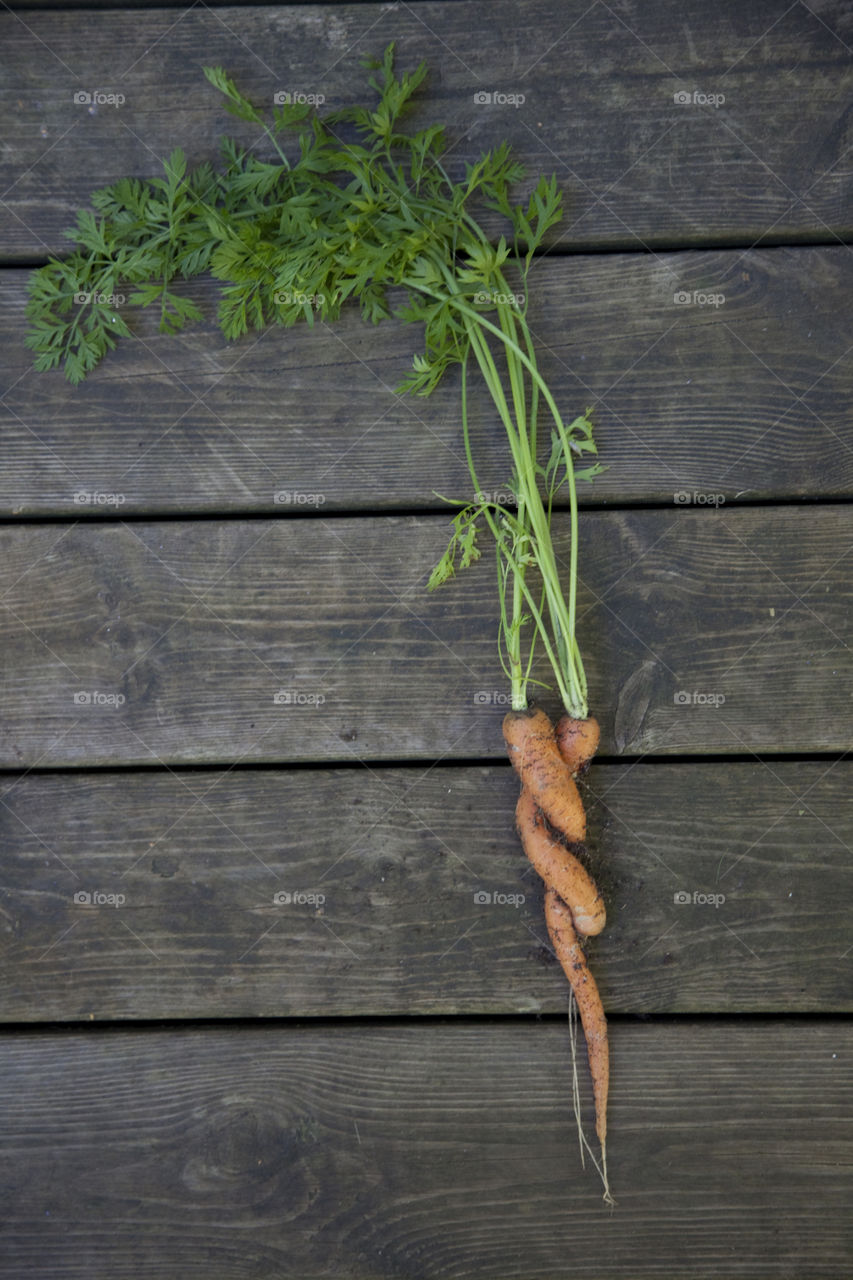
438, 1150
640, 168
24, 5
746, 399
315, 640
187, 867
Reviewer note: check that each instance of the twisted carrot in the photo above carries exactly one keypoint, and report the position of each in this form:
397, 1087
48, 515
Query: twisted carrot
559, 868
536, 758
547, 763
558, 917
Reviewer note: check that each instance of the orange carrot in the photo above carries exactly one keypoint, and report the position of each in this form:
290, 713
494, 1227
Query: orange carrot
558, 917
578, 740
559, 868
533, 750
547, 763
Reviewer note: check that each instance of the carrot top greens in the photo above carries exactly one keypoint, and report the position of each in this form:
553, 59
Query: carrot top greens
327, 220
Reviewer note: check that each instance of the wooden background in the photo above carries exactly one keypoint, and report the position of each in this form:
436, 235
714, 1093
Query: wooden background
372, 1079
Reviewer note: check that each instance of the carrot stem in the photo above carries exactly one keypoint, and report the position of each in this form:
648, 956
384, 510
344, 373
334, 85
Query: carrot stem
558, 634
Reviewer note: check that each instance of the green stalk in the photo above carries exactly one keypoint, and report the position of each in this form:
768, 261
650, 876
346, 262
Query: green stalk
535, 514
511, 633
568, 668
517, 568
571, 666
562, 622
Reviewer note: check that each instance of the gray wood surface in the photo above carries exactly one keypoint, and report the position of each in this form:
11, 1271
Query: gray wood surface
639, 168
383, 868
704, 631
746, 399
395, 1101
437, 1150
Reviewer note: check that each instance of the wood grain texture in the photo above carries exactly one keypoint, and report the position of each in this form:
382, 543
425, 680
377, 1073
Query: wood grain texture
315, 640
639, 168
747, 398
176, 4
440, 1150
726, 888
345, 1143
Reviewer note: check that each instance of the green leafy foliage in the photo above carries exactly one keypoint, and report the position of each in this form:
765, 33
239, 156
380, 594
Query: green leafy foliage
349, 206
293, 238
580, 438
462, 550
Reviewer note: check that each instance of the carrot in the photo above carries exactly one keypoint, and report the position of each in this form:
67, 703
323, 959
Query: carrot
535, 755
558, 917
559, 868
547, 764
578, 741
